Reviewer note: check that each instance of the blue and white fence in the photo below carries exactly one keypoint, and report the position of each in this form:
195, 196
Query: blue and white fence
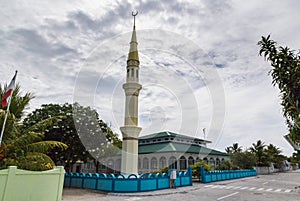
221, 175
133, 183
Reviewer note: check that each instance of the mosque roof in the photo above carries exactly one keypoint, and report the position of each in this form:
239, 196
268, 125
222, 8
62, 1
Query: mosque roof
164, 134
178, 147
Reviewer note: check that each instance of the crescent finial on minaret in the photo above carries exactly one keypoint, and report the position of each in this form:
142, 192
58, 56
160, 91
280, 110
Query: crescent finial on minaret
134, 14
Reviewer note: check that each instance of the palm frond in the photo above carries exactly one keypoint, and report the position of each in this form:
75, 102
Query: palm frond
45, 146
19, 102
37, 161
27, 138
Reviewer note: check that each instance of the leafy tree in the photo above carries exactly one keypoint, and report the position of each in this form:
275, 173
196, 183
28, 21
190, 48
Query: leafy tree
196, 168
225, 165
243, 160
24, 147
273, 154
295, 158
285, 74
97, 137
258, 150
87, 137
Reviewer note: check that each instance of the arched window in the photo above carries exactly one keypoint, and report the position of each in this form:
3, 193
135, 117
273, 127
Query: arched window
205, 160
191, 161
198, 159
173, 163
146, 163
137, 73
162, 162
153, 163
132, 73
182, 162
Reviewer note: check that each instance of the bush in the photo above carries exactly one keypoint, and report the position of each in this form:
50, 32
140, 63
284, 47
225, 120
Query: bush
243, 160
225, 165
196, 168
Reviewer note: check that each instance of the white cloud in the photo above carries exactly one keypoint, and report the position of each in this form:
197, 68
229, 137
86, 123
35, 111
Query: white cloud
57, 45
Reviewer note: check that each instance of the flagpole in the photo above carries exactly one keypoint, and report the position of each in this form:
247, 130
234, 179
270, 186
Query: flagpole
5, 118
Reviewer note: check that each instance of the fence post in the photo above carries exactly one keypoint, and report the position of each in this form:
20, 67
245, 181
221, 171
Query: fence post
202, 173
190, 175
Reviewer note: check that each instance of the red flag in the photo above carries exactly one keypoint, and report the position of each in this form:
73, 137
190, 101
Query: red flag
7, 95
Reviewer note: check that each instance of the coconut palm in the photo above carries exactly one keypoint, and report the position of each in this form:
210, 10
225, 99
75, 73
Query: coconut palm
273, 154
26, 149
18, 102
24, 146
234, 148
259, 151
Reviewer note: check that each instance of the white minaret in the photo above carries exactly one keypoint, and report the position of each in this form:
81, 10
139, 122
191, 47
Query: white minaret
130, 130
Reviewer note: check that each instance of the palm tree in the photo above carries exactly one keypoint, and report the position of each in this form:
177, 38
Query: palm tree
273, 154
18, 102
228, 150
258, 150
26, 149
234, 148
21, 146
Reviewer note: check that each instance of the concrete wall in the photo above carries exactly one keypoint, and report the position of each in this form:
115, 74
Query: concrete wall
264, 170
23, 185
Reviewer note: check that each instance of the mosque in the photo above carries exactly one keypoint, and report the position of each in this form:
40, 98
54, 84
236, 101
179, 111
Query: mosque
155, 151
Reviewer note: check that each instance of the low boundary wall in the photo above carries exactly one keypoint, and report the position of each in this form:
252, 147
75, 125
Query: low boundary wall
222, 175
133, 183
24, 185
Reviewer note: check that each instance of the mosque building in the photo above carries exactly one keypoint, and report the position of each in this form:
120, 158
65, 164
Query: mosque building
155, 151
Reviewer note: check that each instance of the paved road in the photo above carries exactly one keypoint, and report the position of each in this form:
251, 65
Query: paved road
278, 186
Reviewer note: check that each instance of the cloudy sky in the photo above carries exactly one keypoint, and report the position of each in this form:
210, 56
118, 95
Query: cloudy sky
199, 62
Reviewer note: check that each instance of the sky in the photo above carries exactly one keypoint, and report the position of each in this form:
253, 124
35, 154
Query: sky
199, 63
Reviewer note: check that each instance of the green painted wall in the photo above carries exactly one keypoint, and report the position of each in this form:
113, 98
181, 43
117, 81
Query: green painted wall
23, 185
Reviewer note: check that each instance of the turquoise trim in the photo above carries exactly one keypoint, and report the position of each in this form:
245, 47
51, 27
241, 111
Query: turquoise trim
221, 175
121, 184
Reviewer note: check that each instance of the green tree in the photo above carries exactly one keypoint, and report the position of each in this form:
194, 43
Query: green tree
24, 147
286, 75
234, 148
19, 102
258, 149
196, 168
225, 165
273, 154
243, 160
87, 137
295, 158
